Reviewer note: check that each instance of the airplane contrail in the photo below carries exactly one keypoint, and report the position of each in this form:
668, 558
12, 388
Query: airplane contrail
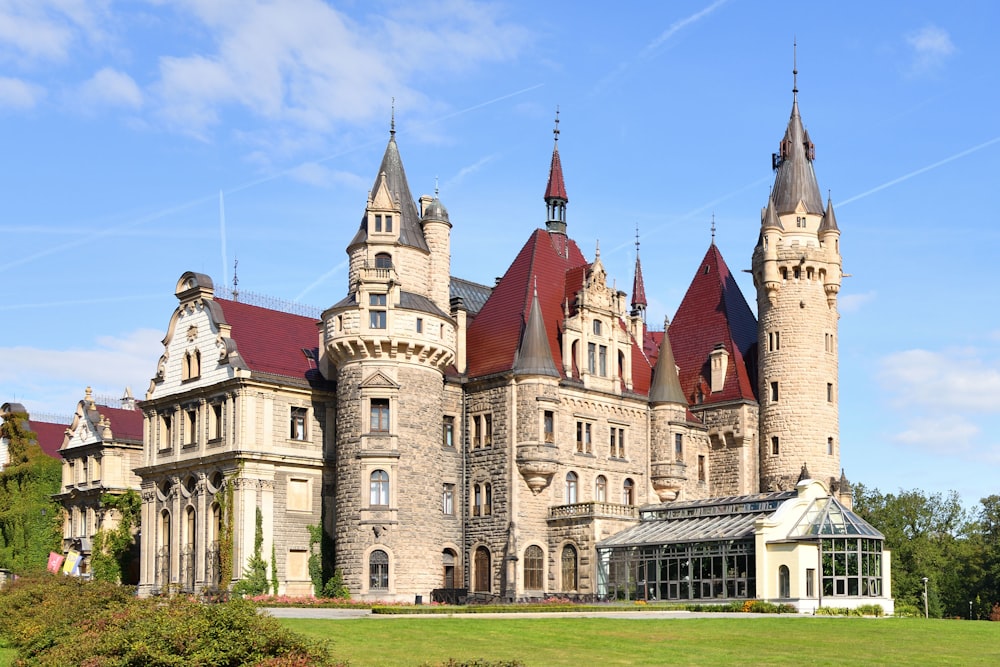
910, 175
319, 281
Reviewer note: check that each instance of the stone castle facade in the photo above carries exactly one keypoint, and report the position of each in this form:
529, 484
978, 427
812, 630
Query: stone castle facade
430, 434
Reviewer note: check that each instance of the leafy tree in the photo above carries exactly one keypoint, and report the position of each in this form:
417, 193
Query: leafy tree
112, 549
30, 521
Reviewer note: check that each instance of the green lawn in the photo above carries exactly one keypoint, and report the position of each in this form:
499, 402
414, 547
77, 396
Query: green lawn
592, 641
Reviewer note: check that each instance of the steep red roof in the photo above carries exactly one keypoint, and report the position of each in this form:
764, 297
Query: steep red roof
51, 436
270, 341
125, 424
559, 268
714, 312
493, 336
556, 187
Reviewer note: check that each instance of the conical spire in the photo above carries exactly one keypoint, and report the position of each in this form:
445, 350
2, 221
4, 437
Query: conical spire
795, 180
555, 191
391, 173
829, 219
770, 218
638, 288
804, 473
666, 386
534, 357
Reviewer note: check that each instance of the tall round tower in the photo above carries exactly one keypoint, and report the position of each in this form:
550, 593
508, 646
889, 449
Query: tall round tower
797, 273
396, 467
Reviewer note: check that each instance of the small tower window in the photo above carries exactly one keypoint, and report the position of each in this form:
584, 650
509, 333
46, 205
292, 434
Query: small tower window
420, 325
378, 222
678, 447
829, 392
383, 260
597, 327
388, 224
829, 446
774, 445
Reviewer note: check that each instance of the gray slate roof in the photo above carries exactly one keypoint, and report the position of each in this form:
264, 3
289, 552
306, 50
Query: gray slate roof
796, 179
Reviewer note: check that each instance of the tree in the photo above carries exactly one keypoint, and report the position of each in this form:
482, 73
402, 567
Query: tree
254, 581
30, 521
112, 549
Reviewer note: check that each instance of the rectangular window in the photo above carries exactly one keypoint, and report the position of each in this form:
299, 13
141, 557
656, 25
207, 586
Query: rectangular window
380, 415
297, 429
191, 426
85, 470
378, 222
602, 359
376, 318
829, 446
614, 442
774, 392
487, 430
448, 431
829, 392
448, 500
678, 446
477, 432
579, 436
420, 325
216, 416
584, 431
298, 565
774, 445
701, 467
388, 223
591, 358
587, 444
299, 498
621, 443
597, 327
549, 426
773, 341
810, 583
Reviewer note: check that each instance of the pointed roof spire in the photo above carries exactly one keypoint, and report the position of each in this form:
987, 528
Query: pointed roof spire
795, 180
638, 287
713, 227
392, 174
770, 218
666, 386
555, 191
534, 357
829, 218
804, 473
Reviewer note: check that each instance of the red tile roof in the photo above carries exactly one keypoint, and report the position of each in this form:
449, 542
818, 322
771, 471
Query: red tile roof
270, 341
50, 436
125, 424
714, 311
559, 268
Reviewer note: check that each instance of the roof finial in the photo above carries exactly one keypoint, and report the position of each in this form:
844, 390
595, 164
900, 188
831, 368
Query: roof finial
392, 123
795, 69
713, 227
435, 187
598, 251
555, 132
636, 239
236, 279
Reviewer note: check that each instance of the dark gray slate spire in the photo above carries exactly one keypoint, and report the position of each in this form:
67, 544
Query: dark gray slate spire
533, 354
666, 386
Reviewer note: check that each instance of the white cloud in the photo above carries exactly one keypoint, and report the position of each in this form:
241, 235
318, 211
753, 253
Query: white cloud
46, 30
110, 87
931, 47
109, 364
852, 303
315, 68
18, 94
961, 379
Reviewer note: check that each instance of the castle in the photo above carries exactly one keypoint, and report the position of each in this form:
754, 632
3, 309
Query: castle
429, 434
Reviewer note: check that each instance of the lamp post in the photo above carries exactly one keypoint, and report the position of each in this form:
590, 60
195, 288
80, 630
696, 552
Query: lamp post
970, 610
925, 597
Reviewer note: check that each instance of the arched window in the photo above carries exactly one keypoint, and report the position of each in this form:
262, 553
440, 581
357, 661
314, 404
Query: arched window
571, 487
569, 568
601, 489
378, 570
482, 565
190, 527
379, 488
784, 582
533, 568
163, 559
628, 492
448, 558
383, 260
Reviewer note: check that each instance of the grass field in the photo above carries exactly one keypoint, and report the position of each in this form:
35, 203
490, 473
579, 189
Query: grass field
599, 641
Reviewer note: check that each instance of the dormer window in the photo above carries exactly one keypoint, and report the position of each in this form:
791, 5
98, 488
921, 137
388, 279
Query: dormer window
388, 224
378, 222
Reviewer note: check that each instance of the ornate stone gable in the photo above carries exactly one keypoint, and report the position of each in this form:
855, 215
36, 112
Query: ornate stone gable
379, 380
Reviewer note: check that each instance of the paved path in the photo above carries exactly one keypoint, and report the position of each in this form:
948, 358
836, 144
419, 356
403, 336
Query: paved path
328, 613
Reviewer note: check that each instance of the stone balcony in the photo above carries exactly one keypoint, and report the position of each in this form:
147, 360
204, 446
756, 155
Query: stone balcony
593, 510
668, 478
537, 463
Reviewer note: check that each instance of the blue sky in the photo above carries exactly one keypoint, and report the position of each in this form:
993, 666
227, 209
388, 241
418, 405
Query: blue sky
121, 123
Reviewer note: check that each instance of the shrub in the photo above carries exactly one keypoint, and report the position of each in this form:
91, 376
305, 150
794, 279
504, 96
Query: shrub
906, 610
100, 629
995, 613
335, 588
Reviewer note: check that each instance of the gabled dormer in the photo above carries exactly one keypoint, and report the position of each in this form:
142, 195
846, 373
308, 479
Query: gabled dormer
383, 214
